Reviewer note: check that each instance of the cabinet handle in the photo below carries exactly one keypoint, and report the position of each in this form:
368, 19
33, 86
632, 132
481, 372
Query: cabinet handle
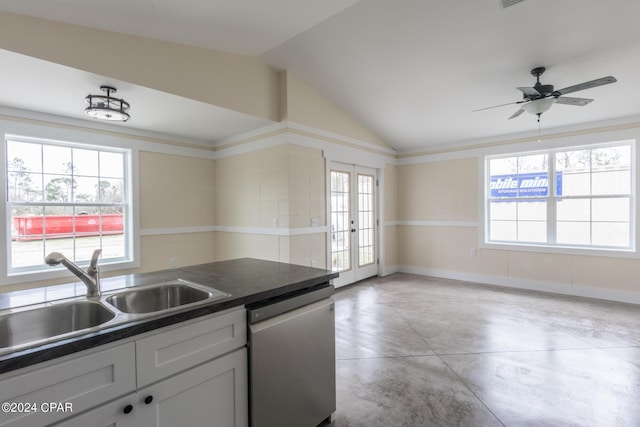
148, 399
127, 409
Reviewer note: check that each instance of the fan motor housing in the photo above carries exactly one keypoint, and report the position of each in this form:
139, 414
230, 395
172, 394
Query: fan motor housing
544, 89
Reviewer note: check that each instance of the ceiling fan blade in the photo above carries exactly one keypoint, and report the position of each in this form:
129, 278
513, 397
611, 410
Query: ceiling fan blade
530, 92
517, 113
568, 100
586, 85
501, 105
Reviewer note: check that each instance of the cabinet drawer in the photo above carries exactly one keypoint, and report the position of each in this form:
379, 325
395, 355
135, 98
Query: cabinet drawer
82, 383
180, 348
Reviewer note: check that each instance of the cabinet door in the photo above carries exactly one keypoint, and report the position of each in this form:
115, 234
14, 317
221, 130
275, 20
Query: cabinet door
175, 350
212, 394
120, 413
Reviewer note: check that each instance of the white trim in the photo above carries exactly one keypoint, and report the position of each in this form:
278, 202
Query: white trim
236, 229
176, 230
248, 147
364, 154
251, 134
93, 136
483, 143
52, 127
59, 272
526, 142
387, 270
347, 139
301, 231
5, 215
284, 125
533, 285
419, 223
56, 120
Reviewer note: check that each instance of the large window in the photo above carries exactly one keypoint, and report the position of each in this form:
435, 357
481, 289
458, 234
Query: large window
68, 198
573, 197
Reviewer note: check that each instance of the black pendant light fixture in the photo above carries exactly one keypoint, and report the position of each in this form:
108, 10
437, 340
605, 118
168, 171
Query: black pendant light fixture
107, 107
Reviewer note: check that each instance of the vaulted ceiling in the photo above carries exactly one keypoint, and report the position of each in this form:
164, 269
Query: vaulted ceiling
411, 71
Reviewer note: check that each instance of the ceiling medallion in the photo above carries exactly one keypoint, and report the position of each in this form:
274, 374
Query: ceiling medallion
107, 107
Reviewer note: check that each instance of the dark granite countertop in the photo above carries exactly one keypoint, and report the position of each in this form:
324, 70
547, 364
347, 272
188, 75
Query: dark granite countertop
247, 280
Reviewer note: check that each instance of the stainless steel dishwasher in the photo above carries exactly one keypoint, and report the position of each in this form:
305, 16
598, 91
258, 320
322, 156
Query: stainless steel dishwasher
292, 367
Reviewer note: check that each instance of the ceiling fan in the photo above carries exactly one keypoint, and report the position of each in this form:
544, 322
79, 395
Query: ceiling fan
539, 98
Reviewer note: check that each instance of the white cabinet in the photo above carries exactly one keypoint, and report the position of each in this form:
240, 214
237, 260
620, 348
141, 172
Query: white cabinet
212, 394
178, 348
83, 382
119, 413
190, 374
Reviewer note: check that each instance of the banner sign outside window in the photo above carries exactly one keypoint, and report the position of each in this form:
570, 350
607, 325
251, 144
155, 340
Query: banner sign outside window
531, 184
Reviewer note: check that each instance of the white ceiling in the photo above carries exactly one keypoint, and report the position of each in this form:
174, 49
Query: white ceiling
410, 71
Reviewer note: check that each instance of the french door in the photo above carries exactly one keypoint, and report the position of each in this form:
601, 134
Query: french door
353, 222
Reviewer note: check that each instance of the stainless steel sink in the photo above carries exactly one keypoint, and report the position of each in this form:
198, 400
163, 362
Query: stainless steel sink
35, 325
162, 297
48, 322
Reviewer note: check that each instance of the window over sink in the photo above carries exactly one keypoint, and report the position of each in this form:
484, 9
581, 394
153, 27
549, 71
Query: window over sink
66, 197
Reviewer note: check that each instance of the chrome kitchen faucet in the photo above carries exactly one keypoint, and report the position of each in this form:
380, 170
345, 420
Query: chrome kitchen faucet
91, 277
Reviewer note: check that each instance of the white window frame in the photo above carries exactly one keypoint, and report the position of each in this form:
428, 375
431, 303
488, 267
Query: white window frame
631, 252
13, 130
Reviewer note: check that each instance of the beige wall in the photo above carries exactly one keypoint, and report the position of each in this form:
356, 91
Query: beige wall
438, 191
442, 198
302, 104
390, 216
439, 194
264, 198
176, 192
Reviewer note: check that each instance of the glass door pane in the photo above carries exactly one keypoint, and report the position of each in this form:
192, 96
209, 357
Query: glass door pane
366, 249
340, 221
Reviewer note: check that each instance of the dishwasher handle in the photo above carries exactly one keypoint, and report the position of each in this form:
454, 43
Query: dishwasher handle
263, 311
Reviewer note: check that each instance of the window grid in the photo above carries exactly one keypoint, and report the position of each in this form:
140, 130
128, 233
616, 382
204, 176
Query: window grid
65, 198
607, 208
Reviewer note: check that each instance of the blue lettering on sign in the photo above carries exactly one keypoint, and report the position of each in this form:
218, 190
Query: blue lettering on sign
531, 184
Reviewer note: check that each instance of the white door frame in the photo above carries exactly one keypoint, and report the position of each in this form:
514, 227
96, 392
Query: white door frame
356, 272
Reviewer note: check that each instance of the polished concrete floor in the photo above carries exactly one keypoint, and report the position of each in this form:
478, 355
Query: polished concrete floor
417, 351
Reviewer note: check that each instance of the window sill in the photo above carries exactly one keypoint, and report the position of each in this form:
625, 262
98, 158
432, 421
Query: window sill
60, 272
562, 250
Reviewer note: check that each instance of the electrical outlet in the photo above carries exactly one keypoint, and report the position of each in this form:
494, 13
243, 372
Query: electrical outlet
172, 262
474, 251
275, 222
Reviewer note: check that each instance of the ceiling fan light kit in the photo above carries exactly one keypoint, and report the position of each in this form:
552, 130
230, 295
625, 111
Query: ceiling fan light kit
539, 106
539, 98
107, 107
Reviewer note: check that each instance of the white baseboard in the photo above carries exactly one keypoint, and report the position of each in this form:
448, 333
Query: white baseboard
533, 285
387, 270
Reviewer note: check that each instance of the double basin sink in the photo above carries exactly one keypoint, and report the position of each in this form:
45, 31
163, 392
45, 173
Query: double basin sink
27, 327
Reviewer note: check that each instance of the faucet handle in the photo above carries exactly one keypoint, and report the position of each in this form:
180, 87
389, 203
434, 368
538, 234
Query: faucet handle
93, 265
